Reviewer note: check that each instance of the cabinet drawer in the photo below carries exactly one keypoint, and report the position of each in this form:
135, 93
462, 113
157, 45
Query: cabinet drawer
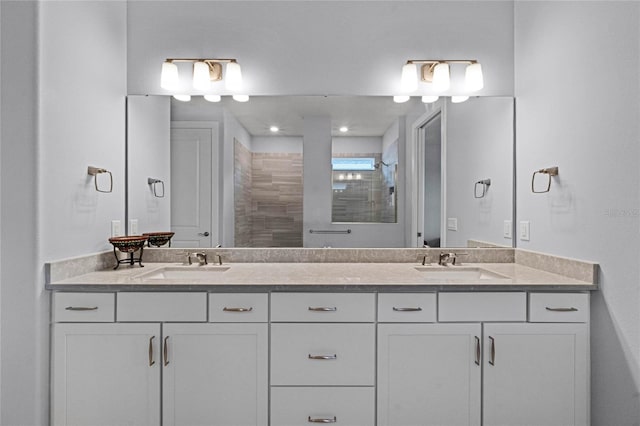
292, 406
322, 354
176, 307
322, 307
84, 307
558, 307
473, 307
407, 307
238, 307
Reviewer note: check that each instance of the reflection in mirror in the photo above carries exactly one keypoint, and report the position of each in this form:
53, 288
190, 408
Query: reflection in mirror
260, 180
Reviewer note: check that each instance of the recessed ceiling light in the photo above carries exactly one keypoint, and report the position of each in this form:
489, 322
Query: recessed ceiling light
344, 129
274, 129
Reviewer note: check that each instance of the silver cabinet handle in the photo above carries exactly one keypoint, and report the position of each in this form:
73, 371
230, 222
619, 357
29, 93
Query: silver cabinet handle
562, 309
165, 351
203, 234
327, 357
81, 308
151, 360
323, 308
322, 420
492, 360
418, 309
477, 350
249, 309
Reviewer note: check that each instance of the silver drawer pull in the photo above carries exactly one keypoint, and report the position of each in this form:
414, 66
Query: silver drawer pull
81, 308
418, 309
321, 420
323, 308
238, 309
334, 356
562, 309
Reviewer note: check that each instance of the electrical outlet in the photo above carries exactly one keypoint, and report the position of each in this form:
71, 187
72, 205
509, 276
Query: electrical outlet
116, 228
133, 227
507, 229
525, 230
452, 223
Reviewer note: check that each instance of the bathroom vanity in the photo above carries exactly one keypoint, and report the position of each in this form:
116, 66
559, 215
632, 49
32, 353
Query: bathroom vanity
353, 343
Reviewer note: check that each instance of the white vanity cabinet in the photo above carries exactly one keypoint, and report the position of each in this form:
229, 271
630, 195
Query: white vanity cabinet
525, 363
115, 373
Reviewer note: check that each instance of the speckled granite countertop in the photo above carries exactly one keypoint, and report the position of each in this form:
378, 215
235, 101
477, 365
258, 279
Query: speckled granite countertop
251, 277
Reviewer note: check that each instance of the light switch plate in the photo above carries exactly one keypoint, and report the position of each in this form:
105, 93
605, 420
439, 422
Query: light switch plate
525, 230
452, 223
133, 227
116, 228
508, 227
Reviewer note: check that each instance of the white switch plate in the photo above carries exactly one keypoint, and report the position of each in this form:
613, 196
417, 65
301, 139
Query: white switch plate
525, 230
507, 229
116, 228
452, 223
133, 227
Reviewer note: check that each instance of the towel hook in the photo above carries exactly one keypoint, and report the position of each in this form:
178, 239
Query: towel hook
154, 186
95, 171
486, 183
549, 171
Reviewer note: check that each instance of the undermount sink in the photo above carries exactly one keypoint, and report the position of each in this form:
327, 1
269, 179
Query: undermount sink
185, 273
461, 273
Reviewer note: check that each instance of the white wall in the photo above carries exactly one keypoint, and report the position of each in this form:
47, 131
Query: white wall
356, 144
275, 144
148, 156
82, 123
300, 48
577, 89
479, 145
23, 302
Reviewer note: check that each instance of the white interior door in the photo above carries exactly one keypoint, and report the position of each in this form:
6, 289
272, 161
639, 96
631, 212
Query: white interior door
194, 185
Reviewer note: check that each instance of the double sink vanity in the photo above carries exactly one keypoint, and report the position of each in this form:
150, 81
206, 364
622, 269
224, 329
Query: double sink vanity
337, 336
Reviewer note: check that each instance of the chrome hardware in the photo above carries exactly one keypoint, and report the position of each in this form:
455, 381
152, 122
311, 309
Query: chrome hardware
322, 309
81, 308
201, 256
561, 309
155, 184
95, 171
321, 420
483, 189
418, 309
323, 357
549, 171
477, 350
449, 258
424, 259
151, 360
219, 259
492, 360
237, 309
165, 351
329, 231
203, 234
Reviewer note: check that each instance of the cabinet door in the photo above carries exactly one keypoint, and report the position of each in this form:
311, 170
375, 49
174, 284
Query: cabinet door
536, 374
429, 374
105, 374
215, 374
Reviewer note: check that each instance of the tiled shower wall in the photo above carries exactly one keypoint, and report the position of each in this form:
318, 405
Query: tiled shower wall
268, 200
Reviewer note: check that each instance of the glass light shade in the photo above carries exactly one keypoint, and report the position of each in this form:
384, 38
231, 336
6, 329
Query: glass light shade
169, 77
429, 99
183, 98
473, 78
459, 99
409, 80
400, 99
441, 79
241, 98
233, 77
201, 80
212, 98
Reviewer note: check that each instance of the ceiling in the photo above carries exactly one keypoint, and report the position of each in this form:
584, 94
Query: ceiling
363, 115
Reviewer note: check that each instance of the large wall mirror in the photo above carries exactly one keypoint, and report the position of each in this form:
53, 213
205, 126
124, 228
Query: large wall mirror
375, 174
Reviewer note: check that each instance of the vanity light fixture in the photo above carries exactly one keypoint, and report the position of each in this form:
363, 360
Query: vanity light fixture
459, 99
400, 99
182, 98
429, 99
437, 72
205, 71
241, 98
212, 98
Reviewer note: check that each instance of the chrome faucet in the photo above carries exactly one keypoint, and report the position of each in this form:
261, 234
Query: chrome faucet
424, 258
449, 258
219, 259
201, 256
